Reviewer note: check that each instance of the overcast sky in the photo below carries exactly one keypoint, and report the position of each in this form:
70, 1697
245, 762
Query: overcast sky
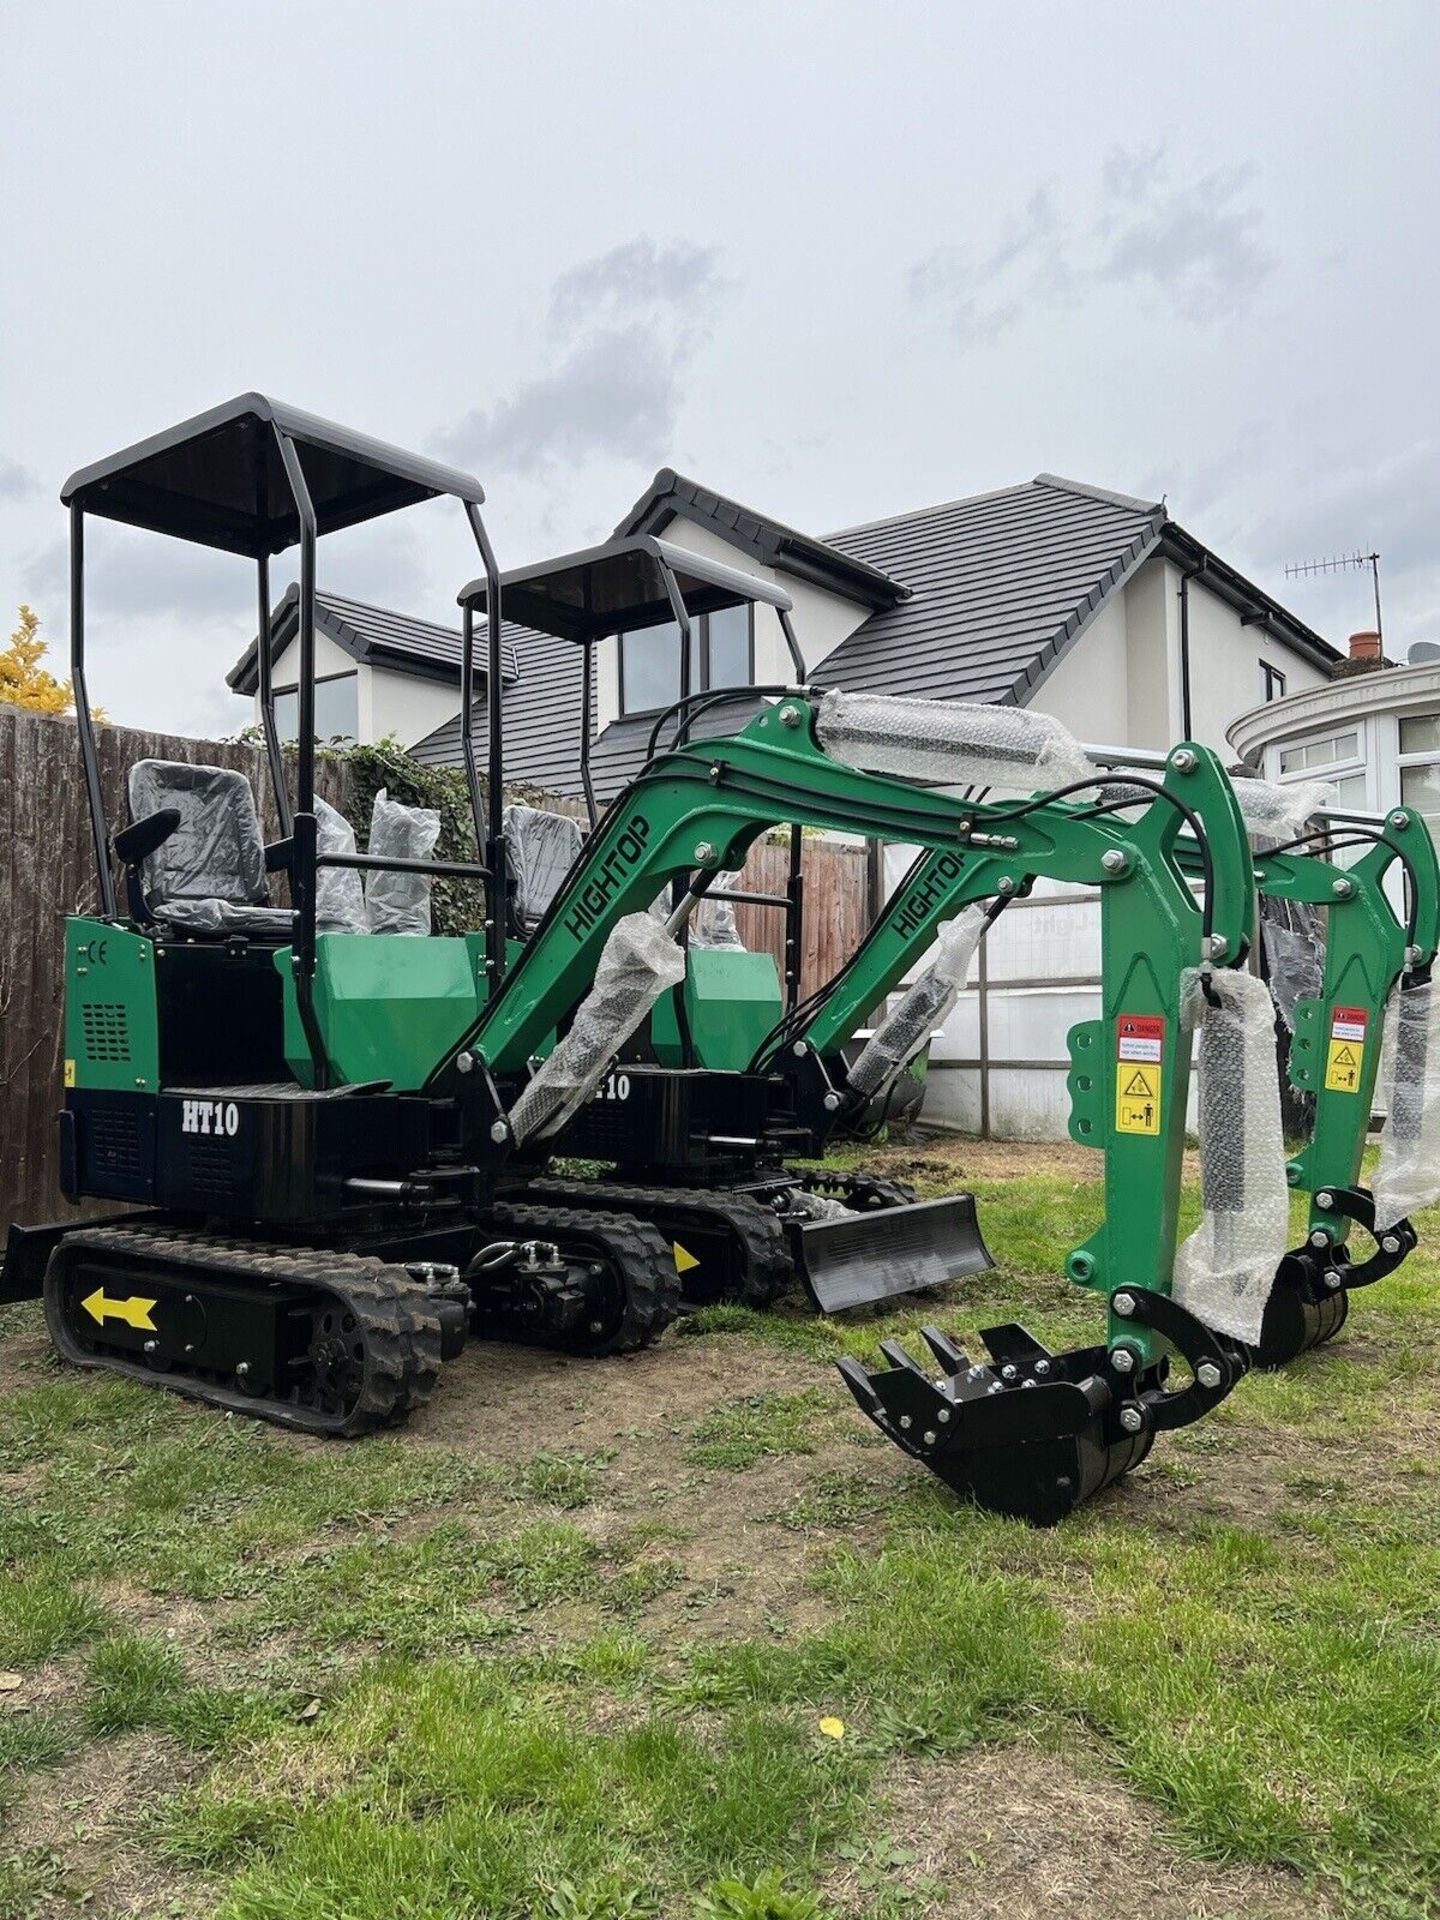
837, 261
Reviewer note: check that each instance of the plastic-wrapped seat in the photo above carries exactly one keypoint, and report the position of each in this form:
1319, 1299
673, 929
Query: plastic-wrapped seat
208, 874
543, 848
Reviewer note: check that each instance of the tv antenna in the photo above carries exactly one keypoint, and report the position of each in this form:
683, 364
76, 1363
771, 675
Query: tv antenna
1345, 563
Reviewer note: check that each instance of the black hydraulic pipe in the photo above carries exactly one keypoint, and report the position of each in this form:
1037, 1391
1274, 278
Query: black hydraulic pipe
84, 725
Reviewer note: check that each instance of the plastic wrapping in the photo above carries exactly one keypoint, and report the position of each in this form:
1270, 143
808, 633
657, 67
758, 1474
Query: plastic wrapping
400, 902
925, 1006
216, 852
1294, 956
543, 848
209, 875
1276, 815
1408, 1176
713, 922
1225, 1270
951, 742
339, 891
639, 962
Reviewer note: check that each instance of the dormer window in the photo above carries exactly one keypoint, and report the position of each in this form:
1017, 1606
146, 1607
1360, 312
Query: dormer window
722, 655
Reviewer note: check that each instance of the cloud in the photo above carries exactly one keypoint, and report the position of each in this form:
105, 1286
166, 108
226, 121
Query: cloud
626, 326
1195, 247
129, 573
17, 482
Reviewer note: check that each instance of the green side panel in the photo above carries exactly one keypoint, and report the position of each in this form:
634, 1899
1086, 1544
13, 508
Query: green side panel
111, 1029
732, 1000
389, 1005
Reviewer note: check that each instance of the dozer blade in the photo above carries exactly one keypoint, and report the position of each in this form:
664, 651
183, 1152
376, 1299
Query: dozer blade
1031, 1434
865, 1257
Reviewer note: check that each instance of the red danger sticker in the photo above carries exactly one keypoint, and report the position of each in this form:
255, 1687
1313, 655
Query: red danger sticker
1348, 1023
1140, 1036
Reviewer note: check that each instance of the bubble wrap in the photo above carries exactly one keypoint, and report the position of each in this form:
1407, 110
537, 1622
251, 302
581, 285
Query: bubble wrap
1408, 1176
951, 742
639, 962
925, 1006
400, 902
1277, 814
1225, 1270
1295, 957
543, 848
339, 891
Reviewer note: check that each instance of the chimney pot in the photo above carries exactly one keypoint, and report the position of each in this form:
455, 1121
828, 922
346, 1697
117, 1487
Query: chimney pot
1364, 646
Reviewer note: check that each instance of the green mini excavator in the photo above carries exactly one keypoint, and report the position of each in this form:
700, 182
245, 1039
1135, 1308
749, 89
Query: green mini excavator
339, 1142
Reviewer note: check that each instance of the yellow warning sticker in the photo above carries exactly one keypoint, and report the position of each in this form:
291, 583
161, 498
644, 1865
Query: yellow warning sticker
1137, 1098
135, 1312
69, 1073
1342, 1066
684, 1259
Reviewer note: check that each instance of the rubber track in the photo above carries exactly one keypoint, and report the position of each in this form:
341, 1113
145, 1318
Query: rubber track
402, 1332
768, 1269
867, 1190
652, 1287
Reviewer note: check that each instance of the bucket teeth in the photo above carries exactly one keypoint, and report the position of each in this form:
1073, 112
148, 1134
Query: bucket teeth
858, 1381
952, 1359
899, 1357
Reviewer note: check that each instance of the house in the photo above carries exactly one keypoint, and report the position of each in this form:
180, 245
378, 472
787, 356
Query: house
1373, 732
1089, 605
1092, 606
376, 672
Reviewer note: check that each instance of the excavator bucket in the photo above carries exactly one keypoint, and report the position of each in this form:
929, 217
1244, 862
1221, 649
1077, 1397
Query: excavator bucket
858, 1259
1031, 1434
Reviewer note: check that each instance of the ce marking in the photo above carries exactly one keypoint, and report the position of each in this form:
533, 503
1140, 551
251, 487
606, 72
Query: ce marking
94, 952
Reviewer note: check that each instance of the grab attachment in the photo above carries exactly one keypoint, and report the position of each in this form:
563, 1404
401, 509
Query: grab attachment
1033, 1434
1311, 1297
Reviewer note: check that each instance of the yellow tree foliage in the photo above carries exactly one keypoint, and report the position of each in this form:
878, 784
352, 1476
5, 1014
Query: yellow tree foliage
23, 681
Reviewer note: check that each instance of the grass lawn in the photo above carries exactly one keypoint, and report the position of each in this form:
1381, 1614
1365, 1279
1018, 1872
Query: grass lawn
680, 1635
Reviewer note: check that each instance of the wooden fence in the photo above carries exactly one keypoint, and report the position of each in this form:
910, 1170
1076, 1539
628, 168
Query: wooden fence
47, 871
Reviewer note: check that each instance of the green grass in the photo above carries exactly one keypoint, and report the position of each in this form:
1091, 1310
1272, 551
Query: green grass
763, 1426
406, 1679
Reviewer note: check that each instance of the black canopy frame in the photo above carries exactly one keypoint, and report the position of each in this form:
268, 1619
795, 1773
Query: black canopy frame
623, 586
255, 476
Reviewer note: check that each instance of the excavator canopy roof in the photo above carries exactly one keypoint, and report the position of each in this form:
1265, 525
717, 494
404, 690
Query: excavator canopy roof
219, 480
620, 587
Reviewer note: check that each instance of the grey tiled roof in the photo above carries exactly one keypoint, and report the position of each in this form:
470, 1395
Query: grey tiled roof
375, 635
999, 583
542, 716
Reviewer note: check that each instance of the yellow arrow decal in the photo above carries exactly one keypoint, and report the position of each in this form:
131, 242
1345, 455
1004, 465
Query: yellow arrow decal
683, 1260
135, 1313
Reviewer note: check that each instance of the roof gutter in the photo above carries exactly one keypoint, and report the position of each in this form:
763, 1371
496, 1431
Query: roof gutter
1255, 607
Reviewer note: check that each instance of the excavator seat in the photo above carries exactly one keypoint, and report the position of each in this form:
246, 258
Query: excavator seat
195, 852
543, 848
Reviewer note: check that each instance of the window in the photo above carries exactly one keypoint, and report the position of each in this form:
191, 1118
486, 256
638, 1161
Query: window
722, 656
1272, 683
1336, 751
1420, 766
337, 709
